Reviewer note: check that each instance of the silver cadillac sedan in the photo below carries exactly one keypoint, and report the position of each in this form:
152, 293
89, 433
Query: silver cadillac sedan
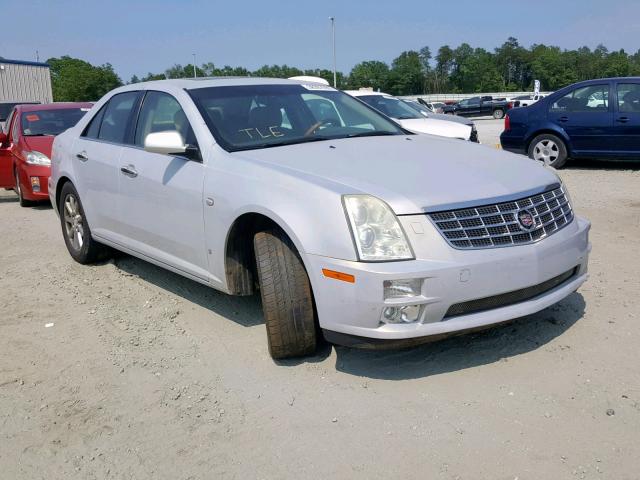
352, 228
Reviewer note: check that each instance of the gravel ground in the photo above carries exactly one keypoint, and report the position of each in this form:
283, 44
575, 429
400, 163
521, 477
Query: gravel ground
124, 370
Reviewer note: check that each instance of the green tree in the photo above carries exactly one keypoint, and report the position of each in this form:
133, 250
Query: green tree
406, 77
186, 71
550, 66
512, 62
328, 76
444, 66
372, 73
278, 71
75, 80
153, 76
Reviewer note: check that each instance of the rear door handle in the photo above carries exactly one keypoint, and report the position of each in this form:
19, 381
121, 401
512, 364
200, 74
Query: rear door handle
82, 156
129, 171
564, 119
622, 119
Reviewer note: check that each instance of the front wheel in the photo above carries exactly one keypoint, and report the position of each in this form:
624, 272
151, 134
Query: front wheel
75, 229
23, 202
287, 300
548, 149
498, 114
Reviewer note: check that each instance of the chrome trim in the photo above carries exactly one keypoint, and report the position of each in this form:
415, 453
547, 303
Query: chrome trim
496, 225
490, 201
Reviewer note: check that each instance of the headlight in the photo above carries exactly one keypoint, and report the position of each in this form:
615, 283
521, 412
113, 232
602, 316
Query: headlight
376, 231
37, 158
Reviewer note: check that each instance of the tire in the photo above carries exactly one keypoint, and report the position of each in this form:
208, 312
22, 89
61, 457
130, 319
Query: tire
75, 229
287, 300
18, 189
498, 114
549, 149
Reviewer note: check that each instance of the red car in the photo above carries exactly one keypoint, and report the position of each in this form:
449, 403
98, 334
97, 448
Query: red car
25, 146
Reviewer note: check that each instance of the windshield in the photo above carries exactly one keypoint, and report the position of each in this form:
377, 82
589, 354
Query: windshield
5, 109
50, 122
246, 117
418, 107
390, 106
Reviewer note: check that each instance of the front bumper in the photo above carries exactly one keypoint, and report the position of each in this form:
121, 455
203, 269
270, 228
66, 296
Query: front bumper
30, 192
451, 277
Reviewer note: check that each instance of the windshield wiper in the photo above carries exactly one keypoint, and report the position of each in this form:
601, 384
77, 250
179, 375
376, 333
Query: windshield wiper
370, 134
40, 135
283, 143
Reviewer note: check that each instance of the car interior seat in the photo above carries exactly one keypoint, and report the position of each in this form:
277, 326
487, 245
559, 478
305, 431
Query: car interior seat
631, 102
265, 117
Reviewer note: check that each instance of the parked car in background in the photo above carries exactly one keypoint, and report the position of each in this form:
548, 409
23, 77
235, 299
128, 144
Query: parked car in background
349, 225
5, 109
591, 119
409, 118
428, 113
525, 100
436, 107
25, 146
479, 107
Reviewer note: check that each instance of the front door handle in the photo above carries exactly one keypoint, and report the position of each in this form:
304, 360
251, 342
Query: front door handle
129, 171
82, 156
622, 119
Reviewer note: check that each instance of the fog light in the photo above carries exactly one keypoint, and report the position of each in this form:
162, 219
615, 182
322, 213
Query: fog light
35, 184
406, 288
405, 314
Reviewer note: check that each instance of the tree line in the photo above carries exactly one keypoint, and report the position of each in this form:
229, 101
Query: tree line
464, 69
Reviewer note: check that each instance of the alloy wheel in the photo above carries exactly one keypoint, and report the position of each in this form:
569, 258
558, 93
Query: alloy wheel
73, 223
546, 151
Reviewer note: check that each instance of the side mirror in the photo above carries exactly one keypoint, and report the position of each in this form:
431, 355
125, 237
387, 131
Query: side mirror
166, 143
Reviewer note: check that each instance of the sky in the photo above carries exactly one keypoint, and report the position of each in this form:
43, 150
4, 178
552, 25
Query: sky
140, 36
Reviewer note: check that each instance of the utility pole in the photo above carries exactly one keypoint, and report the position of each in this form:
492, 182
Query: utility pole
333, 41
195, 75
37, 56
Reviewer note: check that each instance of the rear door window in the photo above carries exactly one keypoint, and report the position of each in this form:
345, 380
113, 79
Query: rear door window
115, 123
93, 129
593, 98
629, 97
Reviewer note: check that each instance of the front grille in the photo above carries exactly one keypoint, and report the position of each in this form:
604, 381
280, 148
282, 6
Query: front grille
510, 298
497, 225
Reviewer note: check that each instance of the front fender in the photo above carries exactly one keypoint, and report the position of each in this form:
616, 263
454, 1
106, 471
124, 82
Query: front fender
311, 214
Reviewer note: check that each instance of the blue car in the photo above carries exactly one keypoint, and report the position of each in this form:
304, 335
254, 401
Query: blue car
591, 119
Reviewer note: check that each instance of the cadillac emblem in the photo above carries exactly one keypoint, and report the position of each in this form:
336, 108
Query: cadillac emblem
526, 220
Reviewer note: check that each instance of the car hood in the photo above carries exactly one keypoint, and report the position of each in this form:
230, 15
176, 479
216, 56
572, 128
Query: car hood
450, 118
40, 144
413, 174
436, 127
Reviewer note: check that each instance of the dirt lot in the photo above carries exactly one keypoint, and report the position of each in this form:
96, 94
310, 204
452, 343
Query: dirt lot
147, 375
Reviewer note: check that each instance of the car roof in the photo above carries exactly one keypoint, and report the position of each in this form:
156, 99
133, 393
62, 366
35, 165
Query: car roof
52, 106
598, 80
362, 93
174, 85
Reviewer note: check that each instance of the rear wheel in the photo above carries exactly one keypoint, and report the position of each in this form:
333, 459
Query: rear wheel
75, 229
498, 114
548, 149
23, 201
287, 300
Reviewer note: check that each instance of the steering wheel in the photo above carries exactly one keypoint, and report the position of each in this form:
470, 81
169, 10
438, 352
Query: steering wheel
312, 129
